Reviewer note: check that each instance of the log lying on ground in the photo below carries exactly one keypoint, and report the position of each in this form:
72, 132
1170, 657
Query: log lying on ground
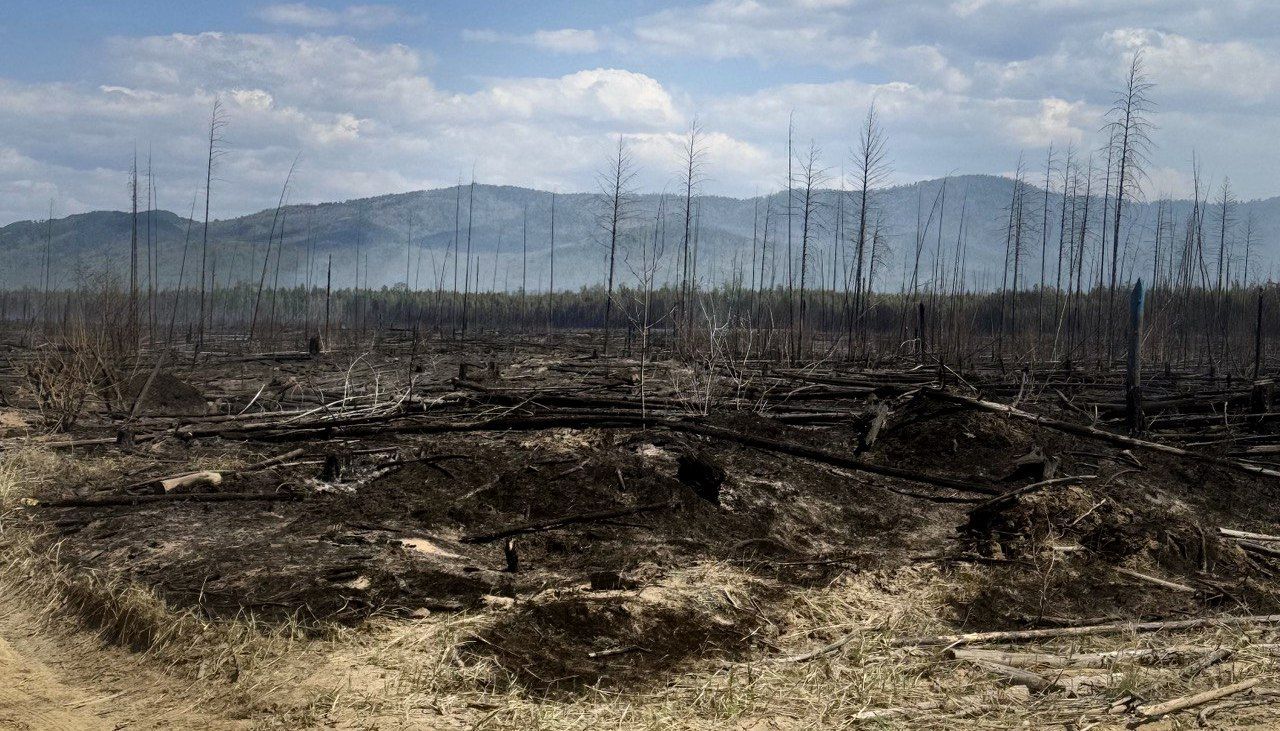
587, 420
878, 421
273, 461
1097, 629
1004, 500
1095, 433
553, 523
97, 501
1258, 548
1001, 697
1101, 660
1246, 535
1018, 676
1209, 660
189, 482
1171, 585
1157, 710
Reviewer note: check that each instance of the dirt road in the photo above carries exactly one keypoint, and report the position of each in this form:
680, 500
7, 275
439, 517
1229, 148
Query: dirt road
33, 697
58, 679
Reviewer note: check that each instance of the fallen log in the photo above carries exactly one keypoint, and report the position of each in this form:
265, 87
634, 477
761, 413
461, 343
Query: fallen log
1246, 535
819, 652
1027, 635
1018, 676
872, 433
819, 455
212, 478
383, 425
1004, 500
273, 461
1172, 585
553, 523
98, 501
1209, 660
191, 481
1099, 660
1088, 431
1001, 697
1258, 548
1151, 712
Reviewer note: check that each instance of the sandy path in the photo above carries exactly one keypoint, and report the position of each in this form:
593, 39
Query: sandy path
32, 697
58, 679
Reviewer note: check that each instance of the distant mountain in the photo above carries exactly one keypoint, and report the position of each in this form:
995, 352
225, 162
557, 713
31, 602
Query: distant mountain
87, 246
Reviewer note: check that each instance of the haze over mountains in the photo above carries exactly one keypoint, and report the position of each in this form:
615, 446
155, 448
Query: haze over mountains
85, 245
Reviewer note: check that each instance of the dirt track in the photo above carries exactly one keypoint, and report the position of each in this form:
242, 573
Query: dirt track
55, 679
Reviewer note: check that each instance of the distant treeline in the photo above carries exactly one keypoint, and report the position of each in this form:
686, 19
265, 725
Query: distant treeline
1205, 328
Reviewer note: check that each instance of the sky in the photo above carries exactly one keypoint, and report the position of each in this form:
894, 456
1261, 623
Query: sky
398, 96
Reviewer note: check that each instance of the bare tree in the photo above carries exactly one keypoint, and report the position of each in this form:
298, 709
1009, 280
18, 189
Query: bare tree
1044, 242
524, 267
151, 254
551, 285
646, 273
616, 198
1130, 129
691, 177
870, 165
791, 305
466, 281
1226, 219
1248, 247
812, 178
217, 125
275, 219
133, 253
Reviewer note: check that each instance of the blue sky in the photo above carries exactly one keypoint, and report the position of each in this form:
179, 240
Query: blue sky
389, 97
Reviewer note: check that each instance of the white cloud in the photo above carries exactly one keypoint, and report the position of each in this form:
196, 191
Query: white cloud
1056, 121
605, 95
367, 118
567, 40
963, 85
1248, 72
303, 15
563, 40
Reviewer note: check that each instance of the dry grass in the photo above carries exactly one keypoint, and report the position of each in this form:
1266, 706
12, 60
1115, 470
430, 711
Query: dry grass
243, 658
393, 673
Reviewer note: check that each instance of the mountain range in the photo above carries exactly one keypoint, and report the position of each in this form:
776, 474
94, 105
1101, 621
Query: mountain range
415, 234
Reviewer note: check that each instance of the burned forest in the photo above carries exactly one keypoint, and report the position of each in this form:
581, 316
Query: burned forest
859, 450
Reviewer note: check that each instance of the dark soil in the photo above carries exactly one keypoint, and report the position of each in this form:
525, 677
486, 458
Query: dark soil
168, 395
384, 531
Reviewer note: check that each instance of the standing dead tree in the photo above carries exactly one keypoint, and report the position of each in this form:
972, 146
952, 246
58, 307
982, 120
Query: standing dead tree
1130, 129
133, 254
1226, 219
645, 270
616, 199
275, 219
693, 153
871, 167
551, 286
466, 281
217, 125
812, 178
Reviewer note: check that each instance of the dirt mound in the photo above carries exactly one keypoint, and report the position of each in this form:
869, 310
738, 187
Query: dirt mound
949, 439
1117, 546
396, 530
168, 395
617, 639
